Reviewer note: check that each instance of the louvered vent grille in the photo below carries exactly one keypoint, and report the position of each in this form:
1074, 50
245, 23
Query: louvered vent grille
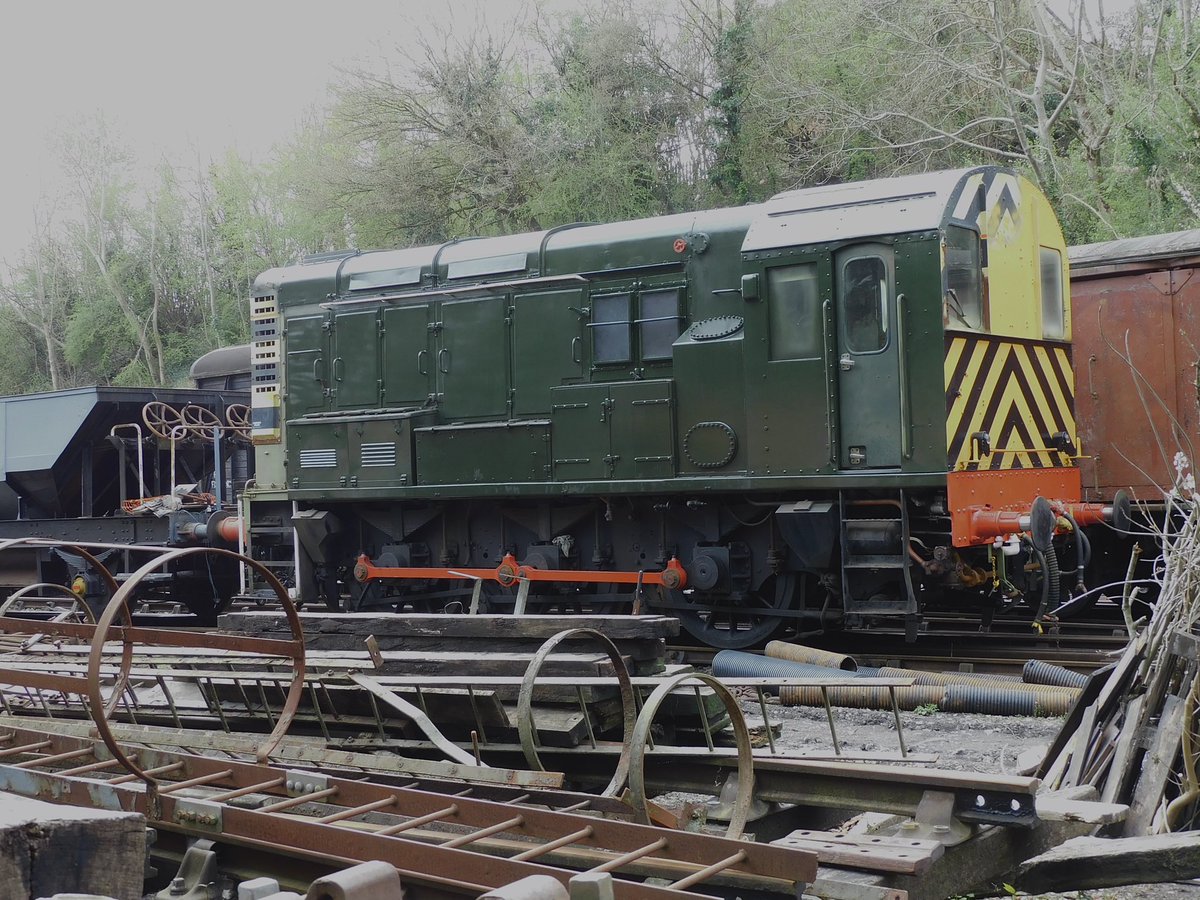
383, 454
318, 459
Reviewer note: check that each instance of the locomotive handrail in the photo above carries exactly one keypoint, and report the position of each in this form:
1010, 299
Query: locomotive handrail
489, 288
905, 416
825, 307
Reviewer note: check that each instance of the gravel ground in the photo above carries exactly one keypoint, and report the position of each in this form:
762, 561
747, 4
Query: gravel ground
989, 744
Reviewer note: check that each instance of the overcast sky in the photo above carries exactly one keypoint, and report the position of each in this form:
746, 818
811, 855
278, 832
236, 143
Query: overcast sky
174, 78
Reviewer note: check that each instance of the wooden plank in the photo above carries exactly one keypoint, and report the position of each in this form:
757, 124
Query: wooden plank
1118, 771
1088, 862
1080, 746
485, 627
871, 852
49, 849
1104, 688
1156, 768
638, 649
1061, 809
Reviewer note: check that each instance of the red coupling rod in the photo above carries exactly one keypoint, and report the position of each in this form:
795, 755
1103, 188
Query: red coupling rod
509, 572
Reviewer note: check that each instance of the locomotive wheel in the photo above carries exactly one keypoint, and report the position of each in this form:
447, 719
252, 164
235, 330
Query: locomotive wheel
735, 624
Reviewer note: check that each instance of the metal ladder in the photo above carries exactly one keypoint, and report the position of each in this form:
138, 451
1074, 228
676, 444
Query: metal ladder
872, 547
452, 841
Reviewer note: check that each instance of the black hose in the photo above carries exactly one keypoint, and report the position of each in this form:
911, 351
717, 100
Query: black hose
1050, 575
1051, 578
1083, 554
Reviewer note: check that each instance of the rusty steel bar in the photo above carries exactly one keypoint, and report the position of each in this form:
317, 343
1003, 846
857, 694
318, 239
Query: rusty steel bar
510, 572
423, 856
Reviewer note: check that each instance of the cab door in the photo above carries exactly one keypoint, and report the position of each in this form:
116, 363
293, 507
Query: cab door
790, 397
868, 358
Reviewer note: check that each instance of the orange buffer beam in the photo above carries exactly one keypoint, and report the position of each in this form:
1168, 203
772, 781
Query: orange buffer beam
509, 572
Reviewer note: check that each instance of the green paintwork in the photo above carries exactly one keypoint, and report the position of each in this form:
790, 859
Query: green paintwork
472, 359
353, 452
355, 363
407, 355
500, 341
641, 429
867, 373
305, 368
515, 452
792, 417
548, 347
579, 418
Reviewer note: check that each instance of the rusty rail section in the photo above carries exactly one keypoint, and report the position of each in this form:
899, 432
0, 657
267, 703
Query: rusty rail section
470, 844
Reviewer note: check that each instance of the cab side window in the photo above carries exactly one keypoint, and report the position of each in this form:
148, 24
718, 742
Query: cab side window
964, 280
864, 301
611, 327
794, 310
1054, 324
636, 326
660, 322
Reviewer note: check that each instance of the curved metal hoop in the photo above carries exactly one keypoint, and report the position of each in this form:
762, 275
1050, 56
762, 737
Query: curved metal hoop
14, 602
745, 753
293, 649
200, 421
161, 419
122, 680
528, 730
237, 419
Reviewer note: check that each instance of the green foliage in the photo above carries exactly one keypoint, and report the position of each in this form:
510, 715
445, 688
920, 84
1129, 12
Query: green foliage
926, 709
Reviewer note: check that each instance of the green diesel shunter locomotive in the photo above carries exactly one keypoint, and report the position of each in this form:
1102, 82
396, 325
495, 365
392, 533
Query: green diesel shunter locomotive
823, 409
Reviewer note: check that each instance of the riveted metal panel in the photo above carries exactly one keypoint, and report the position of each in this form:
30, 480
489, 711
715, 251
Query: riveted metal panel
381, 450
791, 403
472, 358
580, 419
548, 347
407, 355
356, 359
643, 429
307, 364
316, 454
711, 397
1149, 311
487, 453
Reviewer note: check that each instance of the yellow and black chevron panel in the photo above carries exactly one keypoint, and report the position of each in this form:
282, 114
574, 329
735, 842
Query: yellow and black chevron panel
1010, 404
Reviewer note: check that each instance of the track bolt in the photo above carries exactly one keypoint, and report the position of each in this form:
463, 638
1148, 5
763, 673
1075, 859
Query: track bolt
291, 786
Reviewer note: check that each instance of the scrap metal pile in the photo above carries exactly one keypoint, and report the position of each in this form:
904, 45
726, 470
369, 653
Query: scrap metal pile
472, 753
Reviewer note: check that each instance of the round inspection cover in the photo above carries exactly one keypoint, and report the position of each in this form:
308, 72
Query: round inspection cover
710, 445
716, 327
